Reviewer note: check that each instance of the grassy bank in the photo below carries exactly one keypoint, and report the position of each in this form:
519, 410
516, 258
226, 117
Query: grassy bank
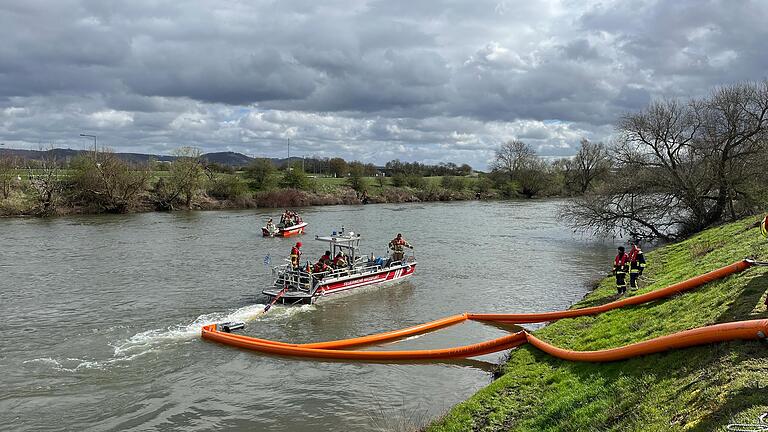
696, 389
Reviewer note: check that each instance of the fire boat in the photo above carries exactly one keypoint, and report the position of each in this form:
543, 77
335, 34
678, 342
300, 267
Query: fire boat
288, 231
293, 286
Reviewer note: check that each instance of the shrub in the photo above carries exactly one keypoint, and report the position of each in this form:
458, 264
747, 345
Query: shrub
457, 184
106, 182
509, 189
282, 198
261, 172
295, 178
399, 180
356, 180
417, 182
184, 180
227, 187
483, 185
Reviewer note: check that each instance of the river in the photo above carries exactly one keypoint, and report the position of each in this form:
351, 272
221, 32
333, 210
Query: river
102, 315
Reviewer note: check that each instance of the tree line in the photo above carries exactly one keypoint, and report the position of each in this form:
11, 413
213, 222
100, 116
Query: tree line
102, 182
517, 171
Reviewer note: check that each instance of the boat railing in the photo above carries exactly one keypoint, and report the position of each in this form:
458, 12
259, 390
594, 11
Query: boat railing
308, 281
406, 260
286, 276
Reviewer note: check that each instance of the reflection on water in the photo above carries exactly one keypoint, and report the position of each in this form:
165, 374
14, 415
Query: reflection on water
103, 314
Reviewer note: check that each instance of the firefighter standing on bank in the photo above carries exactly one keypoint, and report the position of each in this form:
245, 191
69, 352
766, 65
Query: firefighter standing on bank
636, 265
620, 267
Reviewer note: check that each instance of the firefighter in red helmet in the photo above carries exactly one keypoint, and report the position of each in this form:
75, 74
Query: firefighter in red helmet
296, 255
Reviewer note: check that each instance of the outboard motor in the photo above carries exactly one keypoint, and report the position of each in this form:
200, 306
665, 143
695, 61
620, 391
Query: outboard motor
229, 327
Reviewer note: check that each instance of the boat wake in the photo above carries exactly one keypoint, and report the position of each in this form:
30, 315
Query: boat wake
149, 341
66, 365
144, 342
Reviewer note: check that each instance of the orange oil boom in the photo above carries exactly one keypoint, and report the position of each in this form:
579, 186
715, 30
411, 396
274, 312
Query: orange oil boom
744, 330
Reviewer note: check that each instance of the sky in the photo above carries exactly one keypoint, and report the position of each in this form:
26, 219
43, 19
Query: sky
426, 80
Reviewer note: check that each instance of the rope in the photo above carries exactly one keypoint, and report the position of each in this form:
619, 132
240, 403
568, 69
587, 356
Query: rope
761, 425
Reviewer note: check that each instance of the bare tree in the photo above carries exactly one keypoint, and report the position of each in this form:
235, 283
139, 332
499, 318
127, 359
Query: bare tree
622, 209
517, 162
102, 179
513, 156
696, 163
8, 174
591, 163
46, 185
185, 178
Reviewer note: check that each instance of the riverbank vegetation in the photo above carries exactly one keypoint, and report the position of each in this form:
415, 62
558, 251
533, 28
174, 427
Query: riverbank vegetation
696, 389
102, 182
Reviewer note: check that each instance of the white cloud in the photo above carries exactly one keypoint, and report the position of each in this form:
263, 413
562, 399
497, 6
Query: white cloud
435, 80
111, 119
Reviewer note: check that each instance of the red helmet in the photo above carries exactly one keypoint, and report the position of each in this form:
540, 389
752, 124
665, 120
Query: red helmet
298, 244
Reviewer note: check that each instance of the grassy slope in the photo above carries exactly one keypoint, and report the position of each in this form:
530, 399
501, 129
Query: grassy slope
695, 389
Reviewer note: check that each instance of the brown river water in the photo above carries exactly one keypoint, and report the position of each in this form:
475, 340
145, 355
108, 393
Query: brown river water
102, 315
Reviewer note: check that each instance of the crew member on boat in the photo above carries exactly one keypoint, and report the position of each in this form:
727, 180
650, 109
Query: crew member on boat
271, 226
321, 266
296, 255
397, 245
326, 258
290, 218
340, 261
286, 219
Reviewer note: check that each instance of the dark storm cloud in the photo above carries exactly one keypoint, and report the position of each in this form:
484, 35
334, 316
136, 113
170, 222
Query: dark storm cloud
427, 80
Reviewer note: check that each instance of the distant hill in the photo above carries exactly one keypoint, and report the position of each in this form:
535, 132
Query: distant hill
228, 158
232, 159
224, 158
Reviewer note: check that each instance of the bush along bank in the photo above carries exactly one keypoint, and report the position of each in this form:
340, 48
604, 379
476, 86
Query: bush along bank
695, 389
102, 183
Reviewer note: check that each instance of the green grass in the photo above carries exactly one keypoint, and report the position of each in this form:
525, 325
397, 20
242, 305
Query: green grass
695, 389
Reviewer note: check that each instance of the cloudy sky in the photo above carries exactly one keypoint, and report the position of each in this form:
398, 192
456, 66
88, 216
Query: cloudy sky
431, 81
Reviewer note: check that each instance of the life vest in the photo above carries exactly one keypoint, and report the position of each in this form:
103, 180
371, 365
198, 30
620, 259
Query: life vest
620, 263
398, 245
339, 261
295, 255
636, 260
325, 259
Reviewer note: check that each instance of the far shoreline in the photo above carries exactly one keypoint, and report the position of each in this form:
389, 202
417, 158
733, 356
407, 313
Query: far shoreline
271, 200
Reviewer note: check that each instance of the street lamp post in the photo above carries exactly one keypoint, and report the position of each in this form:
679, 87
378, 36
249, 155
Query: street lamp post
94, 141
